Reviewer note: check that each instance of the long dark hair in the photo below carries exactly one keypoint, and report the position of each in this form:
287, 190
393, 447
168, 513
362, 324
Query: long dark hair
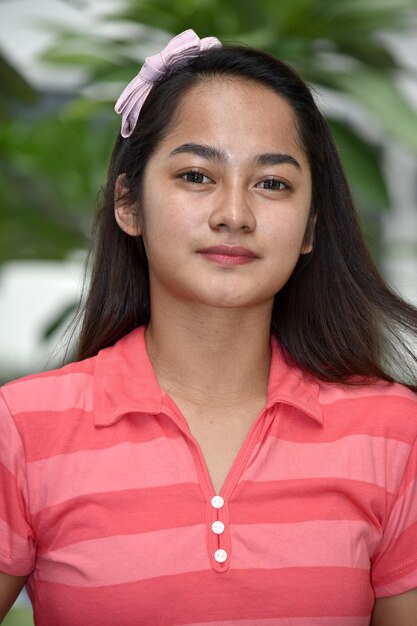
336, 316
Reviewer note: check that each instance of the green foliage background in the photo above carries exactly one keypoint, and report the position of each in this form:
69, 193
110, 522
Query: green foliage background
19, 617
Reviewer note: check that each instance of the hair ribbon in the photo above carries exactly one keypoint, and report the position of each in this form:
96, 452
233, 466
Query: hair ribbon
179, 50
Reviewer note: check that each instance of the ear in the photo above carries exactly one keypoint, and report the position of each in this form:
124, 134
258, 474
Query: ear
309, 236
124, 212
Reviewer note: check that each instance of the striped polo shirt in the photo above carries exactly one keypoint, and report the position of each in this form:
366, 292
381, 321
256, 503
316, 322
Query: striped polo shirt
106, 500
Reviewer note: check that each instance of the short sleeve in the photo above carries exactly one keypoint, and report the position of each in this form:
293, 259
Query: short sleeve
395, 564
17, 545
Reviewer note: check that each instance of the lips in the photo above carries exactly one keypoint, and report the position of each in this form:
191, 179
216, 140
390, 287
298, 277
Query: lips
228, 255
230, 251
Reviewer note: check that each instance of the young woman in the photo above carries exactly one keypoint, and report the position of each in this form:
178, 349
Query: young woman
233, 445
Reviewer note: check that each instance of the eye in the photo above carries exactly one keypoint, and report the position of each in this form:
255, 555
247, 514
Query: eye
195, 177
273, 184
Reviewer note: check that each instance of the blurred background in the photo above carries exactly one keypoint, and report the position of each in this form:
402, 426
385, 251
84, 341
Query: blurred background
63, 64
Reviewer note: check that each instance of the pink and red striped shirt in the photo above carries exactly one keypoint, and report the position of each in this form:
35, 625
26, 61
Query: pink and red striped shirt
107, 503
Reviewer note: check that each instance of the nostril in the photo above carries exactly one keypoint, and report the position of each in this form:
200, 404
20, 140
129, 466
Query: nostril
229, 217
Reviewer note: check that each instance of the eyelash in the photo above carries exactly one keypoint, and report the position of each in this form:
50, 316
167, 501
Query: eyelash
282, 186
196, 173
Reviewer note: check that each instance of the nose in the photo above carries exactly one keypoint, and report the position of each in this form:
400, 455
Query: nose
232, 210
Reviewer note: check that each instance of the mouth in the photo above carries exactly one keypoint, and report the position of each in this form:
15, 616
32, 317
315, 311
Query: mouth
228, 255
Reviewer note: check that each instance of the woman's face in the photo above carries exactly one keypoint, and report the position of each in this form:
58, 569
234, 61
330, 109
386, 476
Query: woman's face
226, 198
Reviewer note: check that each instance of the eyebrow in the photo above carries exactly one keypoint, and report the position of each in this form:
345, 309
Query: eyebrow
214, 154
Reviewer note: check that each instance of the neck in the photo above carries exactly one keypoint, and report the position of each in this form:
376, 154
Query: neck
205, 353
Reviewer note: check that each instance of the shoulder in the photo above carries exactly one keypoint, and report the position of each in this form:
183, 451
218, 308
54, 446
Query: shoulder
99, 383
56, 389
366, 393
382, 408
44, 414
393, 393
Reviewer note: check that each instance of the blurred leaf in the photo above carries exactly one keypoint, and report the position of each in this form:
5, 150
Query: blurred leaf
382, 98
14, 89
73, 58
50, 173
362, 163
369, 53
85, 109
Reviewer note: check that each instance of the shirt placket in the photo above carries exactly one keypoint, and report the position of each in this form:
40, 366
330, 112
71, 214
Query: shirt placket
218, 535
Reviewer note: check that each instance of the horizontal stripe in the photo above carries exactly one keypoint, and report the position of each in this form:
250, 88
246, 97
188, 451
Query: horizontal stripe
331, 392
57, 391
306, 499
196, 597
395, 587
126, 558
12, 454
12, 505
355, 458
390, 417
179, 550
124, 466
403, 515
409, 478
48, 434
119, 513
307, 544
145, 510
400, 559
292, 621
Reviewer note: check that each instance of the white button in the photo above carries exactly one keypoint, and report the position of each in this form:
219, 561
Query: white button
217, 527
217, 502
220, 556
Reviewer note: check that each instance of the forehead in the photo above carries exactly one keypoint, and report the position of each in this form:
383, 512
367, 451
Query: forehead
240, 115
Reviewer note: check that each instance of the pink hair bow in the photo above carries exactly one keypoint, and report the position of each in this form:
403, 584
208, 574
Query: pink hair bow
184, 46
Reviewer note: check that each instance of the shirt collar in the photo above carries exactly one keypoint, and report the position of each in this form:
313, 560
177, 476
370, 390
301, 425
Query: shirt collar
125, 382
289, 384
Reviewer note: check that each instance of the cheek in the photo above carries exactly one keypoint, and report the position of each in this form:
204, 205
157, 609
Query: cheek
167, 236
170, 221
287, 233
